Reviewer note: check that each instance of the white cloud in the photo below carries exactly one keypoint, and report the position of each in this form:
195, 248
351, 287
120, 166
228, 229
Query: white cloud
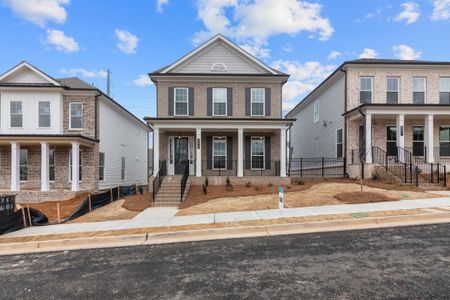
39, 12
405, 52
441, 10
252, 23
334, 55
368, 53
410, 13
142, 81
160, 4
374, 13
85, 73
62, 42
126, 41
288, 47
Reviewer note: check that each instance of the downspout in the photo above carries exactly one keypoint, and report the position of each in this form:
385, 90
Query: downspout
345, 122
96, 114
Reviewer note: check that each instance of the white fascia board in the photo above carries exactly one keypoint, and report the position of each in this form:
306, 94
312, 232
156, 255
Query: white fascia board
32, 68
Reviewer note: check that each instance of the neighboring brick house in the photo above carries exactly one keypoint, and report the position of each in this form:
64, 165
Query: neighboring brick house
384, 111
219, 114
47, 125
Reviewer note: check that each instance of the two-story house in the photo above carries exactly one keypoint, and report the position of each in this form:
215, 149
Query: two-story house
49, 125
377, 109
219, 114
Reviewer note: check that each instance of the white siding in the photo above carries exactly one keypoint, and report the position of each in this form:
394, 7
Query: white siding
317, 140
219, 53
30, 112
121, 136
25, 75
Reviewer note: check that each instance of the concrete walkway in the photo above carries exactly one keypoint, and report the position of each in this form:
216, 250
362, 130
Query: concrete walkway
162, 217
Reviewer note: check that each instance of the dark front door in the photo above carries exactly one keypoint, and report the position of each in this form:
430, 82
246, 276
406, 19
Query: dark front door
391, 141
418, 136
181, 154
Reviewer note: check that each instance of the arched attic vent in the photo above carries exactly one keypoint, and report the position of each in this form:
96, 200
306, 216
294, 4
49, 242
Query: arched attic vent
219, 67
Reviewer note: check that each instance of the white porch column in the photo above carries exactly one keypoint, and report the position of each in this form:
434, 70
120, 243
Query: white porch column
155, 151
198, 146
75, 166
15, 167
45, 186
368, 127
429, 138
400, 124
240, 158
283, 152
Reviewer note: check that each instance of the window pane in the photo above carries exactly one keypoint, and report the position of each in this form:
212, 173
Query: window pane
16, 107
23, 164
339, 136
339, 150
444, 84
44, 107
181, 108
418, 133
257, 95
392, 133
444, 149
75, 122
419, 84
392, 84
257, 109
220, 109
392, 97
444, 98
44, 120
366, 83
257, 162
51, 163
76, 112
181, 95
418, 97
16, 120
444, 134
365, 97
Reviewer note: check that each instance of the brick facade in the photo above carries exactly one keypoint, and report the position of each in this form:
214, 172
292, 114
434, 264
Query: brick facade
89, 111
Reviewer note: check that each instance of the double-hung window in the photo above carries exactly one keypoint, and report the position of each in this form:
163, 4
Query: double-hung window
51, 165
16, 114
76, 116
258, 101
257, 153
444, 90
444, 141
23, 165
365, 89
219, 153
101, 166
219, 101
419, 85
316, 113
181, 101
44, 114
392, 90
122, 169
80, 165
339, 143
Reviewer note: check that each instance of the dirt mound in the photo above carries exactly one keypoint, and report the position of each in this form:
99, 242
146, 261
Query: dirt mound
138, 202
66, 207
362, 197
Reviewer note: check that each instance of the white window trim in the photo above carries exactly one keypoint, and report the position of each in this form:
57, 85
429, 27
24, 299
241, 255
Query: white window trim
424, 87
398, 87
316, 112
263, 103
70, 116
371, 87
175, 101
263, 139
440, 78
226, 154
341, 143
10, 114
50, 114
27, 165
226, 102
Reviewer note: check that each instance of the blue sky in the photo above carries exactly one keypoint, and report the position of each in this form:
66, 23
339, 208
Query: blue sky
307, 39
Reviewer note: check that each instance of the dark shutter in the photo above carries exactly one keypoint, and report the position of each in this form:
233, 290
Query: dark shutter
229, 153
268, 100
209, 152
229, 102
268, 155
247, 152
191, 101
209, 101
247, 101
171, 98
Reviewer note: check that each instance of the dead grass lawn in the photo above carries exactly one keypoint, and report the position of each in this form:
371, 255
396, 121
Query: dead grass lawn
110, 212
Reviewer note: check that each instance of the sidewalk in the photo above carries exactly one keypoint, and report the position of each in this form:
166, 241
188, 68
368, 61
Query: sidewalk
166, 217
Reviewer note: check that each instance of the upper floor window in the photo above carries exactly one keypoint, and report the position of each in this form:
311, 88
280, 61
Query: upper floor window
16, 114
339, 143
258, 101
181, 101
419, 84
365, 89
444, 91
76, 116
219, 101
316, 113
44, 114
392, 90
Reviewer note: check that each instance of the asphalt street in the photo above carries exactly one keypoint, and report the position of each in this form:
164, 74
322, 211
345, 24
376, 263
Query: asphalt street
396, 263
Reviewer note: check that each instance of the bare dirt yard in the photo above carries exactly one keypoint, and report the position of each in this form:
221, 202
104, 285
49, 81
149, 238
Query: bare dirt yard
310, 193
66, 207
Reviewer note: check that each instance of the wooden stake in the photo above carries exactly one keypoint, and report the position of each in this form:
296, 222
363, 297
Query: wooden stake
58, 213
112, 198
29, 214
90, 206
118, 192
24, 218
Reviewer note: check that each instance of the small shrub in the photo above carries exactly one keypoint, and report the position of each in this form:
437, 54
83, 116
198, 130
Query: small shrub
248, 184
270, 184
206, 181
141, 190
300, 182
257, 187
228, 184
205, 189
375, 175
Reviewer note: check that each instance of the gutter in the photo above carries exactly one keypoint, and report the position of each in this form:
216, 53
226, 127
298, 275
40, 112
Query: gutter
96, 114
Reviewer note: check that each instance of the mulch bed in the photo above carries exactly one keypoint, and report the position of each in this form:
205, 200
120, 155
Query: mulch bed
362, 197
138, 202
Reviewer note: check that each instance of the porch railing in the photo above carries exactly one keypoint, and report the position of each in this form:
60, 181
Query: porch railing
184, 180
219, 167
261, 168
159, 178
317, 167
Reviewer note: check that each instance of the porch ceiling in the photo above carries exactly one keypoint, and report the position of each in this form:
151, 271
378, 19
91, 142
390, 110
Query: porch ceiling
6, 139
418, 110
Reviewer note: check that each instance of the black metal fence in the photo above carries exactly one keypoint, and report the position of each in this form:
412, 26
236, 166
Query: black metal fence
219, 167
261, 167
7, 205
159, 178
316, 167
184, 180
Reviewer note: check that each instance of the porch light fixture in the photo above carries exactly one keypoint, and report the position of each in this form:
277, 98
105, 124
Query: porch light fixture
179, 134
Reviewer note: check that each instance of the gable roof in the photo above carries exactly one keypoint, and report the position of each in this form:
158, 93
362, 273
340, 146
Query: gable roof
212, 42
49, 81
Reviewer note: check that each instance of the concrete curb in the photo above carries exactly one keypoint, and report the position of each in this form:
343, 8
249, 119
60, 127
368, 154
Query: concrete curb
222, 233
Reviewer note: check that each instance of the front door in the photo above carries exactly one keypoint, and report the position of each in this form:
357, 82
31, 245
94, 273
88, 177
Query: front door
391, 141
418, 136
181, 154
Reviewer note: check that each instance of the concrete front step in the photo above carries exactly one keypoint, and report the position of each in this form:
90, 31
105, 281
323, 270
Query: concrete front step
166, 204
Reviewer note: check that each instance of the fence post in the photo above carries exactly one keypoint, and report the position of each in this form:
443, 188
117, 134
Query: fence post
89, 200
24, 218
29, 214
438, 173
445, 175
386, 161
406, 179
112, 197
431, 173
118, 192
301, 167
58, 212
323, 167
417, 176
